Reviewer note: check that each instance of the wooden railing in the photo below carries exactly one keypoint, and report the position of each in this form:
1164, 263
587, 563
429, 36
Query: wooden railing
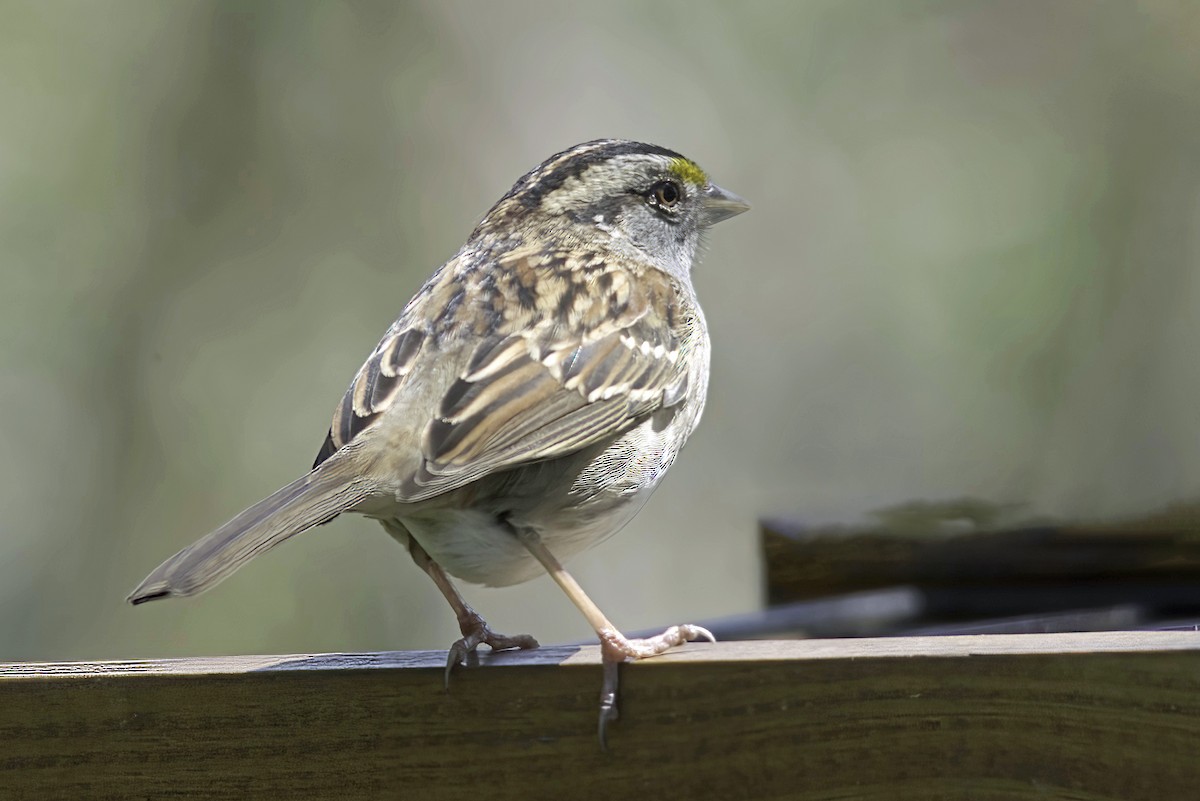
1054, 716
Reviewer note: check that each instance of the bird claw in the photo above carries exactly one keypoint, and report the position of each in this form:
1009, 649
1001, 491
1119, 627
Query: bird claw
615, 648
608, 700
476, 632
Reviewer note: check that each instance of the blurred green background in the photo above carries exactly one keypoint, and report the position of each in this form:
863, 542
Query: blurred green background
972, 267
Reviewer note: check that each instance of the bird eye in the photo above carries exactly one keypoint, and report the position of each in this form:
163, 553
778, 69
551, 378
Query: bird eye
665, 195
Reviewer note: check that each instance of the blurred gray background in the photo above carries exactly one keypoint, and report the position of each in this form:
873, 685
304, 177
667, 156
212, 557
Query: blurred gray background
972, 267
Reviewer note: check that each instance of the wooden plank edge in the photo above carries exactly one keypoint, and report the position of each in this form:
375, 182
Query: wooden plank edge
951, 646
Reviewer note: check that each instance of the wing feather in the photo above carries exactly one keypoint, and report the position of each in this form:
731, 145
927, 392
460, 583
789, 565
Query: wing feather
596, 353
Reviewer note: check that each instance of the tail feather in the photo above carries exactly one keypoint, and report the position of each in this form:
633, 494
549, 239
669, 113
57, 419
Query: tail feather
309, 501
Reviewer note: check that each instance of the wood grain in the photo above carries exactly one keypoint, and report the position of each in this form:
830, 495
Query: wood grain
1070, 716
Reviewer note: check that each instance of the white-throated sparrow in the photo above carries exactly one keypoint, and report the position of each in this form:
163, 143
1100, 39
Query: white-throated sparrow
528, 399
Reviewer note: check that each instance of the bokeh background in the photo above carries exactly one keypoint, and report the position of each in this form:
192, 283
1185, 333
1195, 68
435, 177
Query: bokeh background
972, 268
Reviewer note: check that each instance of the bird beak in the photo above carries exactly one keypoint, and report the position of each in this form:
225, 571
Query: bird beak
720, 204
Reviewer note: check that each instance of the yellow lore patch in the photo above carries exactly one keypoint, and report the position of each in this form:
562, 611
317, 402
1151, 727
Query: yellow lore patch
688, 172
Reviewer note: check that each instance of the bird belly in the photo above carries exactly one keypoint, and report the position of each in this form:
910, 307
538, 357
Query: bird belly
480, 545
572, 503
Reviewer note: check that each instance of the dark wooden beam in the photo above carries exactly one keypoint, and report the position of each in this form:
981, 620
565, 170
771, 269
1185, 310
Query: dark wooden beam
996, 569
1076, 716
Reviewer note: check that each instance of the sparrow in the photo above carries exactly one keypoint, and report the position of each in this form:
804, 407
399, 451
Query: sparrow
526, 402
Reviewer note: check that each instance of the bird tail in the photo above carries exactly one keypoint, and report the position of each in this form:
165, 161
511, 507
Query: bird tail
309, 501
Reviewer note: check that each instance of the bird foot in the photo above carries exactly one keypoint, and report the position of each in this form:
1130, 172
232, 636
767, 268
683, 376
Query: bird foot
615, 648
476, 632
